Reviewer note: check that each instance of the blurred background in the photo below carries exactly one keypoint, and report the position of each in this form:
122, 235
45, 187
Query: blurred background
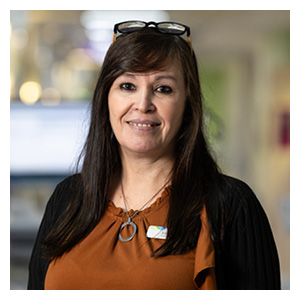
244, 67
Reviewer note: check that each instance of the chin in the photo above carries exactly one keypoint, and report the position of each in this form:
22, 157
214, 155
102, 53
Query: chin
142, 148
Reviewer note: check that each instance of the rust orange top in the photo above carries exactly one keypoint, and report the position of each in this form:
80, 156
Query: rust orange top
102, 262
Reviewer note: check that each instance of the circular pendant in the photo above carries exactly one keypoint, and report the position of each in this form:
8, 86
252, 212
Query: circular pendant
128, 223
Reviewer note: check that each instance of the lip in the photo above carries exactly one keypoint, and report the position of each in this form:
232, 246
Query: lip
143, 124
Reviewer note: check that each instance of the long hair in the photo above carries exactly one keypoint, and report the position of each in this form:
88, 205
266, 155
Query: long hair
194, 169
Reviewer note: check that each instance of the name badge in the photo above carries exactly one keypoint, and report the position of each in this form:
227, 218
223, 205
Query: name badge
157, 232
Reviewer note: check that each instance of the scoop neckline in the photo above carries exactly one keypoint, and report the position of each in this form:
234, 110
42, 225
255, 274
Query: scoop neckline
120, 212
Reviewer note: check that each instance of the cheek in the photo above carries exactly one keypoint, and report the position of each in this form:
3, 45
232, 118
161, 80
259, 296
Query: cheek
113, 115
114, 108
110, 111
174, 117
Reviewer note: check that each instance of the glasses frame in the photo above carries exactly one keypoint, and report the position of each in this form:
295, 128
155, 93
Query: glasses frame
156, 26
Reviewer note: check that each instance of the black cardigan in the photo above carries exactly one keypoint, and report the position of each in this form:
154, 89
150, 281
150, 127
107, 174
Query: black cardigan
246, 259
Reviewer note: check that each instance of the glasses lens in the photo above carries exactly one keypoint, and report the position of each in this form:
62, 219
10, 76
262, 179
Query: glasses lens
127, 27
172, 28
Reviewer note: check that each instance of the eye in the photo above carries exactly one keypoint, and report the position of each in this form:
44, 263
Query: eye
127, 86
164, 89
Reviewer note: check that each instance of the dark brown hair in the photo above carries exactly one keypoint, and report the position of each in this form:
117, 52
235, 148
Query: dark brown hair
194, 170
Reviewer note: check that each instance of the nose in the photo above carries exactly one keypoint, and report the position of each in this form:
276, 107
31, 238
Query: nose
144, 101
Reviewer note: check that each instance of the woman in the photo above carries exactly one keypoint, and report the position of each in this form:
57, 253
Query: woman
150, 208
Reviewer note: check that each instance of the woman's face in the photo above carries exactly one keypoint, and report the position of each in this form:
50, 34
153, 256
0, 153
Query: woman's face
146, 110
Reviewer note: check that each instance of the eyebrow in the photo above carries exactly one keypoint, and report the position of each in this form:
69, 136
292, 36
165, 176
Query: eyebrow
158, 77
166, 77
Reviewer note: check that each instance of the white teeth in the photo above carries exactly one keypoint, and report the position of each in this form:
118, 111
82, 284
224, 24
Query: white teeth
142, 125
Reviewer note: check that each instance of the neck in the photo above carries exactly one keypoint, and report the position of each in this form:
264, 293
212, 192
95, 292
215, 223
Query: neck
142, 178
148, 171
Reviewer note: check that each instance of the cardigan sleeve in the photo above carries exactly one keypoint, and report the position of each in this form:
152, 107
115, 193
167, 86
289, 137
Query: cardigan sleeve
249, 259
59, 199
38, 265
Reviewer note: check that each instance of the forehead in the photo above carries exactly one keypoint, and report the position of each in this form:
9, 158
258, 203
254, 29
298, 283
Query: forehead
172, 71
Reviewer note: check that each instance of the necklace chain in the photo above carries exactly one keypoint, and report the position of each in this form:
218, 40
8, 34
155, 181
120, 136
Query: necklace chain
129, 222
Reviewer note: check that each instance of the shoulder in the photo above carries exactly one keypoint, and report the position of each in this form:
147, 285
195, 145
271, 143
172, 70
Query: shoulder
236, 193
65, 193
243, 200
70, 183
231, 200
234, 186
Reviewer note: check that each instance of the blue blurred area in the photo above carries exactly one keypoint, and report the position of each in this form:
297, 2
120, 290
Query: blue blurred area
46, 140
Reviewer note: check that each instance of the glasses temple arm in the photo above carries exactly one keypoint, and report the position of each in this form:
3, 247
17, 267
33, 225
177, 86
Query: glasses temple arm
114, 38
189, 40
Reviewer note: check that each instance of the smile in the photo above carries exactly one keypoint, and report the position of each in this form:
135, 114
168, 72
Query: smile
144, 124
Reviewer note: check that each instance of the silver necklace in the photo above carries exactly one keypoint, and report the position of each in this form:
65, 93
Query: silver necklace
129, 222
